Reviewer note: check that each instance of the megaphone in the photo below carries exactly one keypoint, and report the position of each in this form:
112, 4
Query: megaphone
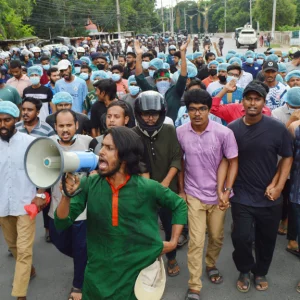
45, 163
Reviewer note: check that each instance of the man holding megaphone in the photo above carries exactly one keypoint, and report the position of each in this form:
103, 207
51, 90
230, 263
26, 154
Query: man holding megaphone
16, 192
122, 231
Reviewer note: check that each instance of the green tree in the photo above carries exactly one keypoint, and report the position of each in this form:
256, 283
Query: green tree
285, 13
12, 16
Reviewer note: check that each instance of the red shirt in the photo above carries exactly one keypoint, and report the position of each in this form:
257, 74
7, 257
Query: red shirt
232, 111
44, 78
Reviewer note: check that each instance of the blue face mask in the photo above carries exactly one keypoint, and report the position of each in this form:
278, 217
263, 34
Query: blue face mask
84, 76
229, 78
163, 86
151, 73
35, 80
260, 61
77, 70
133, 90
115, 77
286, 59
46, 67
249, 60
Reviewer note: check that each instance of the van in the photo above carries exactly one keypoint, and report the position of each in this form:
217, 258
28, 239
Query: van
247, 37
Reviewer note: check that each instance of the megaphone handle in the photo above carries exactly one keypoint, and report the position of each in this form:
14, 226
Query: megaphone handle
65, 188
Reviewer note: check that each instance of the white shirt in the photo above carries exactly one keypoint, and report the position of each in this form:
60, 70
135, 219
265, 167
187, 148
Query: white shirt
81, 144
245, 79
16, 189
214, 86
168, 121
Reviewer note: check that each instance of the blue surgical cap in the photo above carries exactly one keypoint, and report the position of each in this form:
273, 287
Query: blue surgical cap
156, 63
189, 56
228, 56
102, 74
8, 107
279, 78
220, 59
272, 57
191, 70
292, 74
261, 55
214, 62
197, 54
223, 67
62, 97
250, 53
282, 68
231, 52
131, 79
166, 66
161, 55
35, 70
284, 54
293, 96
86, 60
236, 61
172, 47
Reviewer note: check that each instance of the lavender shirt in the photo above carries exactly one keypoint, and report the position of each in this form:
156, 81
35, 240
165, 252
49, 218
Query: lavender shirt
203, 154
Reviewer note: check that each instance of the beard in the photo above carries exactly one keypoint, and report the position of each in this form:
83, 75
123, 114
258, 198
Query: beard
10, 133
112, 172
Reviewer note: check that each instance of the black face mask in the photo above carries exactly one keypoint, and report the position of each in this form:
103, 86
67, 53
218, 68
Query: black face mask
212, 72
222, 78
100, 66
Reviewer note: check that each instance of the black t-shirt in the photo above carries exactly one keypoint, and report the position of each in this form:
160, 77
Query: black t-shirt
43, 93
84, 123
202, 72
97, 110
259, 146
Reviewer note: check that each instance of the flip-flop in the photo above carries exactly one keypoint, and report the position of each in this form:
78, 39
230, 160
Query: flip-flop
214, 273
171, 267
283, 229
192, 296
74, 290
294, 251
245, 279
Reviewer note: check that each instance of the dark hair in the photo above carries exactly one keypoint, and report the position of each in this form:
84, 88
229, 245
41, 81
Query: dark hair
86, 67
196, 82
148, 54
117, 67
177, 54
122, 56
15, 64
197, 96
108, 86
130, 147
154, 52
52, 70
131, 54
121, 104
37, 102
208, 55
234, 67
43, 58
296, 54
65, 111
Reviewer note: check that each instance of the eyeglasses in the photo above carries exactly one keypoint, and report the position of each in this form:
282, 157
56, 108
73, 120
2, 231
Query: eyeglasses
201, 109
147, 114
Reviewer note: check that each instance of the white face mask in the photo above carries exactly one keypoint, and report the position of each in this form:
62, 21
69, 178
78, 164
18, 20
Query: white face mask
151, 73
145, 65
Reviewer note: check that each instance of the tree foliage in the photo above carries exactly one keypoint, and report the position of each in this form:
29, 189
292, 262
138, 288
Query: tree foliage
12, 16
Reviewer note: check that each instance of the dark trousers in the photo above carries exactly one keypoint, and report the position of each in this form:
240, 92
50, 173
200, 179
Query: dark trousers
266, 220
296, 210
46, 218
72, 242
165, 215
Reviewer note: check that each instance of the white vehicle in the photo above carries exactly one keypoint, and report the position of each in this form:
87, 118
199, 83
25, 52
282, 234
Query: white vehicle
247, 37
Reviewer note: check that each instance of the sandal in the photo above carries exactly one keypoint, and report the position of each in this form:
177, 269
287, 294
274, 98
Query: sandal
47, 237
214, 273
172, 264
294, 251
298, 288
182, 240
74, 290
244, 278
192, 296
258, 280
32, 273
282, 230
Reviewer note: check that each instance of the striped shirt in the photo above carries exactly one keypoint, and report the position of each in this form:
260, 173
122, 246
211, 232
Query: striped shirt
42, 129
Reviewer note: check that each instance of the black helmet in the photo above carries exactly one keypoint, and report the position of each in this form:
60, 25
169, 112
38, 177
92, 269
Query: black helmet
150, 101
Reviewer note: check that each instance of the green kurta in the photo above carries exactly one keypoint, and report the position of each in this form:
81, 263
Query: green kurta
116, 254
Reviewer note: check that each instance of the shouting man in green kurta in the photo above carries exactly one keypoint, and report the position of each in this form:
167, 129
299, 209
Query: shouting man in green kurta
122, 229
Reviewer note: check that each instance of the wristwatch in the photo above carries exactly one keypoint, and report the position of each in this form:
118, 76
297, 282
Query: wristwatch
43, 196
228, 189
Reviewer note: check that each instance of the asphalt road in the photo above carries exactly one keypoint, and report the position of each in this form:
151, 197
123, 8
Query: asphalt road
54, 270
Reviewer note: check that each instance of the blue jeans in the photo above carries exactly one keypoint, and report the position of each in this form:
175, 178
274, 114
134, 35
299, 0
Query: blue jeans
72, 242
296, 211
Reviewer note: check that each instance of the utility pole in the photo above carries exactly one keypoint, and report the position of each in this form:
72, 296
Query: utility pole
184, 18
274, 19
172, 20
118, 19
162, 18
251, 13
225, 15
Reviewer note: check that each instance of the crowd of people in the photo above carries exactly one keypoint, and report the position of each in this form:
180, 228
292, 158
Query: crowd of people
181, 137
